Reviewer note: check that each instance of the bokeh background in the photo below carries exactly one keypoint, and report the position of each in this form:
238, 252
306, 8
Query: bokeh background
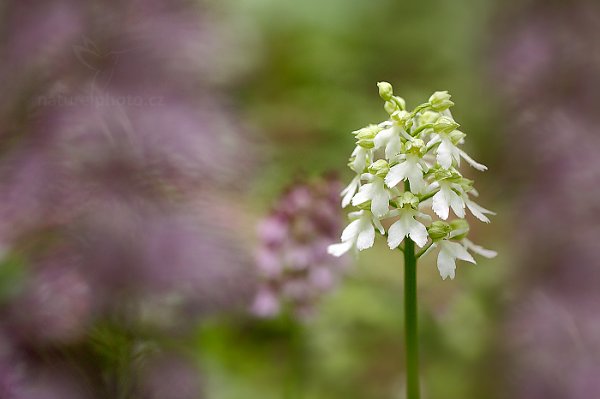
169, 178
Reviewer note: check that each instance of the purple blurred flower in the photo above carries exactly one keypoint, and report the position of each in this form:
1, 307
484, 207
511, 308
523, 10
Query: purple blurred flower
292, 257
115, 147
169, 376
549, 80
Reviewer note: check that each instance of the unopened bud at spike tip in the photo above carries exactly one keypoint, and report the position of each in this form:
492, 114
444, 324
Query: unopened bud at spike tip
385, 91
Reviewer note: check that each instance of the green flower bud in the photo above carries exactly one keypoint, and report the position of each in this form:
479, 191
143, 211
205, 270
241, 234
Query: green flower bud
445, 125
366, 143
439, 230
428, 117
385, 91
368, 132
379, 168
400, 101
460, 228
390, 107
440, 101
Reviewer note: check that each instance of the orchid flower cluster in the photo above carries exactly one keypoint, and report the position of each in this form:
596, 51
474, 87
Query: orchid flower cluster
405, 166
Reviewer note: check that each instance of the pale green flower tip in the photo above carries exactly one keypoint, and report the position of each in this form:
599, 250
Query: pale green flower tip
428, 117
408, 199
439, 230
385, 90
440, 101
379, 168
414, 146
456, 136
365, 206
460, 228
445, 125
368, 132
400, 116
466, 184
439, 174
366, 143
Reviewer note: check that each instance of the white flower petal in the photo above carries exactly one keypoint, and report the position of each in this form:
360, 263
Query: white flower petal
440, 205
349, 191
457, 251
340, 248
396, 174
378, 225
380, 199
405, 134
479, 250
364, 194
393, 147
383, 137
456, 202
351, 231
478, 211
472, 162
418, 233
444, 153
415, 177
360, 159
398, 231
366, 237
446, 265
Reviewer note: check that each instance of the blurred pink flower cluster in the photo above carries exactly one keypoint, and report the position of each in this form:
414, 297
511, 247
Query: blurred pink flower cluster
549, 72
292, 258
115, 163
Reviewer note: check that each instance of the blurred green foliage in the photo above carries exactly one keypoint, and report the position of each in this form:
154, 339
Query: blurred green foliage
313, 78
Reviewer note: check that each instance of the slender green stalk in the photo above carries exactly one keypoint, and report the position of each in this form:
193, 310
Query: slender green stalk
410, 320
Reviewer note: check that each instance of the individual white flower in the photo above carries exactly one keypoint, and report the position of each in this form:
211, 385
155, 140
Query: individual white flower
376, 192
407, 225
389, 139
359, 158
447, 198
350, 190
449, 252
448, 151
359, 234
411, 167
479, 250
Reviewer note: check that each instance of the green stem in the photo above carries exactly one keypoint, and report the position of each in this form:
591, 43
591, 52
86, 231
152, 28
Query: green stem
421, 128
428, 195
410, 320
410, 316
425, 248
